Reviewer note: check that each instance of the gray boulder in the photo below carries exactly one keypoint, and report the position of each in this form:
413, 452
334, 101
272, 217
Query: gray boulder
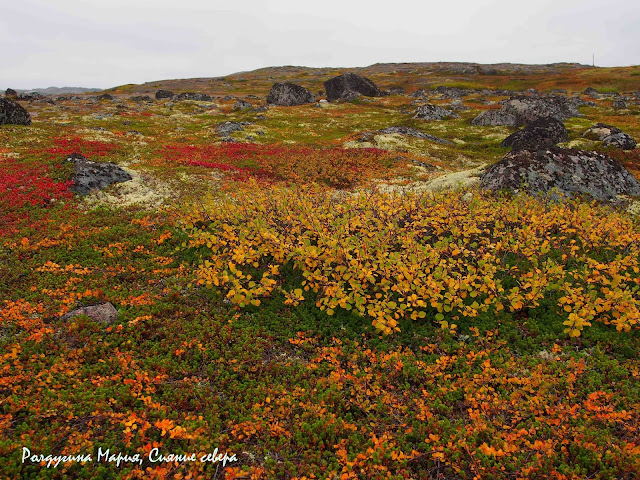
619, 140
89, 176
289, 94
104, 313
528, 109
561, 171
12, 113
11, 93
494, 118
142, 99
345, 85
419, 94
540, 134
600, 131
434, 112
619, 103
105, 97
452, 92
227, 128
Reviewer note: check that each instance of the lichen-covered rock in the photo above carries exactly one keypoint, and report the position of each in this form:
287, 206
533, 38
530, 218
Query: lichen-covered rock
494, 118
600, 131
434, 112
419, 94
104, 313
12, 113
162, 94
396, 91
89, 176
592, 92
412, 132
227, 128
197, 96
620, 140
289, 94
105, 97
619, 103
561, 171
241, 105
539, 134
452, 92
344, 85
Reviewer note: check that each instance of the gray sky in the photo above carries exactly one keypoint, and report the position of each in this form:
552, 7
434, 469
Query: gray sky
105, 43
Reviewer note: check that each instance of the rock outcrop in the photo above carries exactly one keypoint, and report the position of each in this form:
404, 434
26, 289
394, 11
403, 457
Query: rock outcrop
289, 94
344, 86
12, 113
89, 176
561, 171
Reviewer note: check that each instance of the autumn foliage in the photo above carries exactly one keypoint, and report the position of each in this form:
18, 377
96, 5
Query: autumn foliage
424, 257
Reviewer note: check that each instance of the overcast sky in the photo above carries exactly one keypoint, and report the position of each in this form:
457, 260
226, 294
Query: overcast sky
105, 43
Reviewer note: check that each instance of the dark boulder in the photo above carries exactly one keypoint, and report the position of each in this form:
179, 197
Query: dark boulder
90, 175
619, 140
537, 135
494, 118
561, 171
162, 94
343, 86
289, 94
12, 113
434, 112
197, 96
142, 99
11, 93
105, 97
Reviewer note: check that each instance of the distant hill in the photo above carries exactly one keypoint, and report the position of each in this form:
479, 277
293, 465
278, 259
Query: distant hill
59, 90
410, 76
